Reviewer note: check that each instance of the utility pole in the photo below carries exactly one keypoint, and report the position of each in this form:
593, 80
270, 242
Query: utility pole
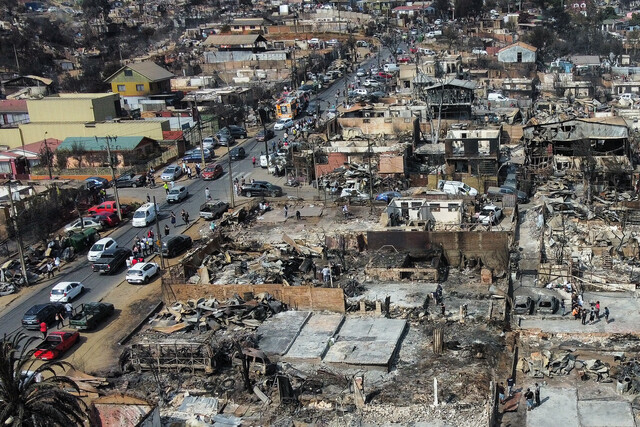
14, 216
313, 155
113, 176
263, 117
370, 174
197, 113
233, 205
158, 232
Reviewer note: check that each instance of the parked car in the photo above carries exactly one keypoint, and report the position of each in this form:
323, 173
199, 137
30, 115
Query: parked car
371, 83
90, 314
361, 91
490, 214
99, 247
213, 209
56, 343
142, 272
130, 180
456, 188
361, 72
237, 131
237, 153
195, 156
86, 222
65, 291
171, 173
210, 142
269, 134
283, 124
41, 313
385, 75
497, 193
111, 260
108, 219
352, 193
211, 171
108, 207
478, 51
225, 140
523, 304
548, 304
96, 182
144, 215
177, 194
174, 244
261, 188
387, 196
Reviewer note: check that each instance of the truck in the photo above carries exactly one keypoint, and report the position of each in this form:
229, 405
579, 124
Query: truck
108, 207
90, 314
213, 209
56, 344
111, 260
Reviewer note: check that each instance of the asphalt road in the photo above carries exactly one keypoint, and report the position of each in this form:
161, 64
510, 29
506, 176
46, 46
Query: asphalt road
97, 286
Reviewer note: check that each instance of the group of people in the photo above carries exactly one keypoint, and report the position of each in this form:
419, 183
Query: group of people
66, 311
151, 178
186, 169
580, 312
532, 397
52, 265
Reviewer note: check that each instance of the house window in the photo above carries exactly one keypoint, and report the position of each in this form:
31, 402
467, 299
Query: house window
453, 207
140, 88
484, 148
519, 57
121, 88
128, 73
434, 207
236, 27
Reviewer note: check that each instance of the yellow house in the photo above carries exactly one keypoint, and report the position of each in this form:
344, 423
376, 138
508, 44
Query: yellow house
74, 107
140, 79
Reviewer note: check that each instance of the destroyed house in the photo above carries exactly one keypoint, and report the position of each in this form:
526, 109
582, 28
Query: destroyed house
250, 42
473, 152
393, 266
451, 99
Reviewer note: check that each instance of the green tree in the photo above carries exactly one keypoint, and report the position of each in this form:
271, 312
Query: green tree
451, 35
441, 7
26, 402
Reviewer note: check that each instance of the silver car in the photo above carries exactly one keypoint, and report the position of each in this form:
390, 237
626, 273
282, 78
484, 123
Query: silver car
171, 173
177, 194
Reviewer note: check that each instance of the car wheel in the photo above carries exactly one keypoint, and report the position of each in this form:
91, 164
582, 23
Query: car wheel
146, 280
134, 185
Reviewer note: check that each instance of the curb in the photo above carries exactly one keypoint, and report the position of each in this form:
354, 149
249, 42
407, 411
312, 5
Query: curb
140, 324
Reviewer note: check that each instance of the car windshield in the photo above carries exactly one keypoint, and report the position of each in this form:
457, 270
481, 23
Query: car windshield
97, 247
139, 214
174, 191
169, 170
57, 291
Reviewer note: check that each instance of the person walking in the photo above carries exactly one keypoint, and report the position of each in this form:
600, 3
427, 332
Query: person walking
606, 314
56, 263
207, 194
592, 315
186, 217
500, 390
584, 316
49, 270
253, 160
182, 215
598, 310
43, 330
528, 395
561, 306
326, 274
537, 395
173, 219
510, 384
286, 211
59, 320
150, 233
198, 170
166, 229
166, 188
443, 310
143, 247
69, 309
172, 184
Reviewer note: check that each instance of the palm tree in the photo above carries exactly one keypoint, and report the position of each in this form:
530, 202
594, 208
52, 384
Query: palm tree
26, 399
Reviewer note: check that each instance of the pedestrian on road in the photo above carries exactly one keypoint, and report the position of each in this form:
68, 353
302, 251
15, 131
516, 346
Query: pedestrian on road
561, 302
49, 270
197, 170
182, 214
207, 194
166, 188
537, 395
529, 397
43, 329
286, 211
143, 247
150, 233
173, 184
606, 314
592, 315
166, 229
186, 217
173, 220
59, 320
326, 274
253, 160
584, 316
598, 310
442, 308
69, 309
57, 262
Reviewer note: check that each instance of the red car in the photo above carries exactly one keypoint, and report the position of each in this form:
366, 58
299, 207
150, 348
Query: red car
385, 75
413, 50
108, 219
211, 171
404, 59
56, 344
107, 208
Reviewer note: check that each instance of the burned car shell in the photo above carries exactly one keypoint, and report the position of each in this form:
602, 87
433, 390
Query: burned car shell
547, 304
523, 304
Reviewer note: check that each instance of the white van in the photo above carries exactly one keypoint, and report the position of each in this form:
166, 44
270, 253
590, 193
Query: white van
391, 68
145, 215
99, 247
263, 160
497, 97
456, 188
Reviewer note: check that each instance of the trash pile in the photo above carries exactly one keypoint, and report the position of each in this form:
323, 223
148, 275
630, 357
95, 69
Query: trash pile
210, 314
544, 363
628, 375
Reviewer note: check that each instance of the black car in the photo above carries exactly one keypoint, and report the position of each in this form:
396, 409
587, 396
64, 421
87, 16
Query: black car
261, 188
173, 245
111, 260
313, 107
237, 131
237, 153
40, 313
130, 180
260, 135
96, 182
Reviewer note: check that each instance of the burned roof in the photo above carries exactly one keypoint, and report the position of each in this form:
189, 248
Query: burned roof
577, 129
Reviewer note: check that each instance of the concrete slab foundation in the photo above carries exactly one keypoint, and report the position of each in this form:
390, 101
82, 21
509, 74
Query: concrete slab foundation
402, 294
367, 342
276, 335
313, 341
559, 408
596, 413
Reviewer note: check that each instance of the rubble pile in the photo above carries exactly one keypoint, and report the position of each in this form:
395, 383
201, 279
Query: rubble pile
545, 363
210, 314
628, 375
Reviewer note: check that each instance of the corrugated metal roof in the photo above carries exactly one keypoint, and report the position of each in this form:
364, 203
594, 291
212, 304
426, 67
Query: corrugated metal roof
233, 39
148, 69
521, 44
120, 143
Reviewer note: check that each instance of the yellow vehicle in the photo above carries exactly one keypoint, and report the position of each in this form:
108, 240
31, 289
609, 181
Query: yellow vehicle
287, 108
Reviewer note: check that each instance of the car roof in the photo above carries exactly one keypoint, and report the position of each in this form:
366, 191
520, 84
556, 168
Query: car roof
62, 285
139, 266
105, 240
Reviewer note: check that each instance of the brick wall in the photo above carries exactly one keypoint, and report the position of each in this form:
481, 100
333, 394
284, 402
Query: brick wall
296, 297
